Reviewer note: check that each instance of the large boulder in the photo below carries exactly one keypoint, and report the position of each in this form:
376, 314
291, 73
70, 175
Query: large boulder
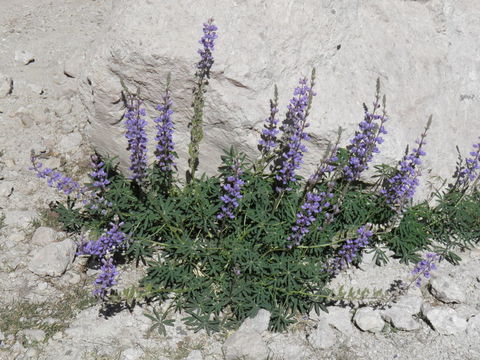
421, 50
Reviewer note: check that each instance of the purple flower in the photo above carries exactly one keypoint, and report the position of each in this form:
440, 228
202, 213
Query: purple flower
106, 278
350, 250
111, 240
470, 171
268, 138
311, 207
293, 128
424, 267
56, 179
137, 139
364, 144
98, 173
401, 187
232, 188
165, 145
208, 42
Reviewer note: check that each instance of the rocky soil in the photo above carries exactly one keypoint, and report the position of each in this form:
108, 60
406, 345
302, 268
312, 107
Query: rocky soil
46, 310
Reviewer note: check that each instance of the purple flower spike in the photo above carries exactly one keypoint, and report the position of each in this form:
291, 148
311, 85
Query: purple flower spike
165, 145
111, 240
106, 278
137, 139
364, 144
232, 188
98, 173
401, 187
268, 139
424, 267
208, 42
350, 250
293, 129
471, 171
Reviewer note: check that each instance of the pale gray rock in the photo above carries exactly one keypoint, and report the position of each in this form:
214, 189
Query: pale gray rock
446, 321
53, 259
24, 57
446, 290
258, 323
368, 319
44, 236
24, 116
400, 313
6, 86
71, 142
441, 79
246, 345
289, 346
6, 188
19, 218
132, 354
323, 337
338, 317
473, 325
33, 335
195, 355
63, 107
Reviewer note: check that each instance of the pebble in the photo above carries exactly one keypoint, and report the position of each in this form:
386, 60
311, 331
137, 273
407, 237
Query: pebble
245, 345
44, 236
445, 321
53, 259
24, 57
258, 323
368, 319
446, 290
323, 337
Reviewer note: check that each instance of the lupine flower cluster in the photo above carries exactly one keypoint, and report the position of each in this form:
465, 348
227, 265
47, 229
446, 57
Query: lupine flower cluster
137, 138
56, 179
312, 206
472, 169
401, 187
232, 189
98, 173
165, 145
350, 250
424, 267
106, 279
208, 42
112, 240
293, 129
268, 139
364, 144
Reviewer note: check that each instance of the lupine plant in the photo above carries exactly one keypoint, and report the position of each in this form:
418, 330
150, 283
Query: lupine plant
257, 235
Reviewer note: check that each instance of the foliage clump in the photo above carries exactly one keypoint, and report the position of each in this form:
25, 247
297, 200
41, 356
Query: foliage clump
259, 235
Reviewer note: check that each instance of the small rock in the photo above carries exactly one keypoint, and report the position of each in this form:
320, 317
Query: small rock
33, 335
323, 337
338, 317
53, 259
473, 326
71, 142
23, 57
446, 321
400, 319
19, 218
195, 355
368, 319
132, 354
259, 323
446, 290
6, 188
24, 116
289, 346
6, 86
44, 236
245, 345
63, 108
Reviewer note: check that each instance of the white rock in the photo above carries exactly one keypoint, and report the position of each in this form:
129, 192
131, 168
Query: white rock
338, 317
19, 218
289, 346
446, 290
195, 355
323, 337
54, 259
44, 236
24, 57
368, 319
473, 326
71, 142
259, 323
132, 354
6, 86
446, 321
400, 319
63, 107
6, 188
246, 346
33, 335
